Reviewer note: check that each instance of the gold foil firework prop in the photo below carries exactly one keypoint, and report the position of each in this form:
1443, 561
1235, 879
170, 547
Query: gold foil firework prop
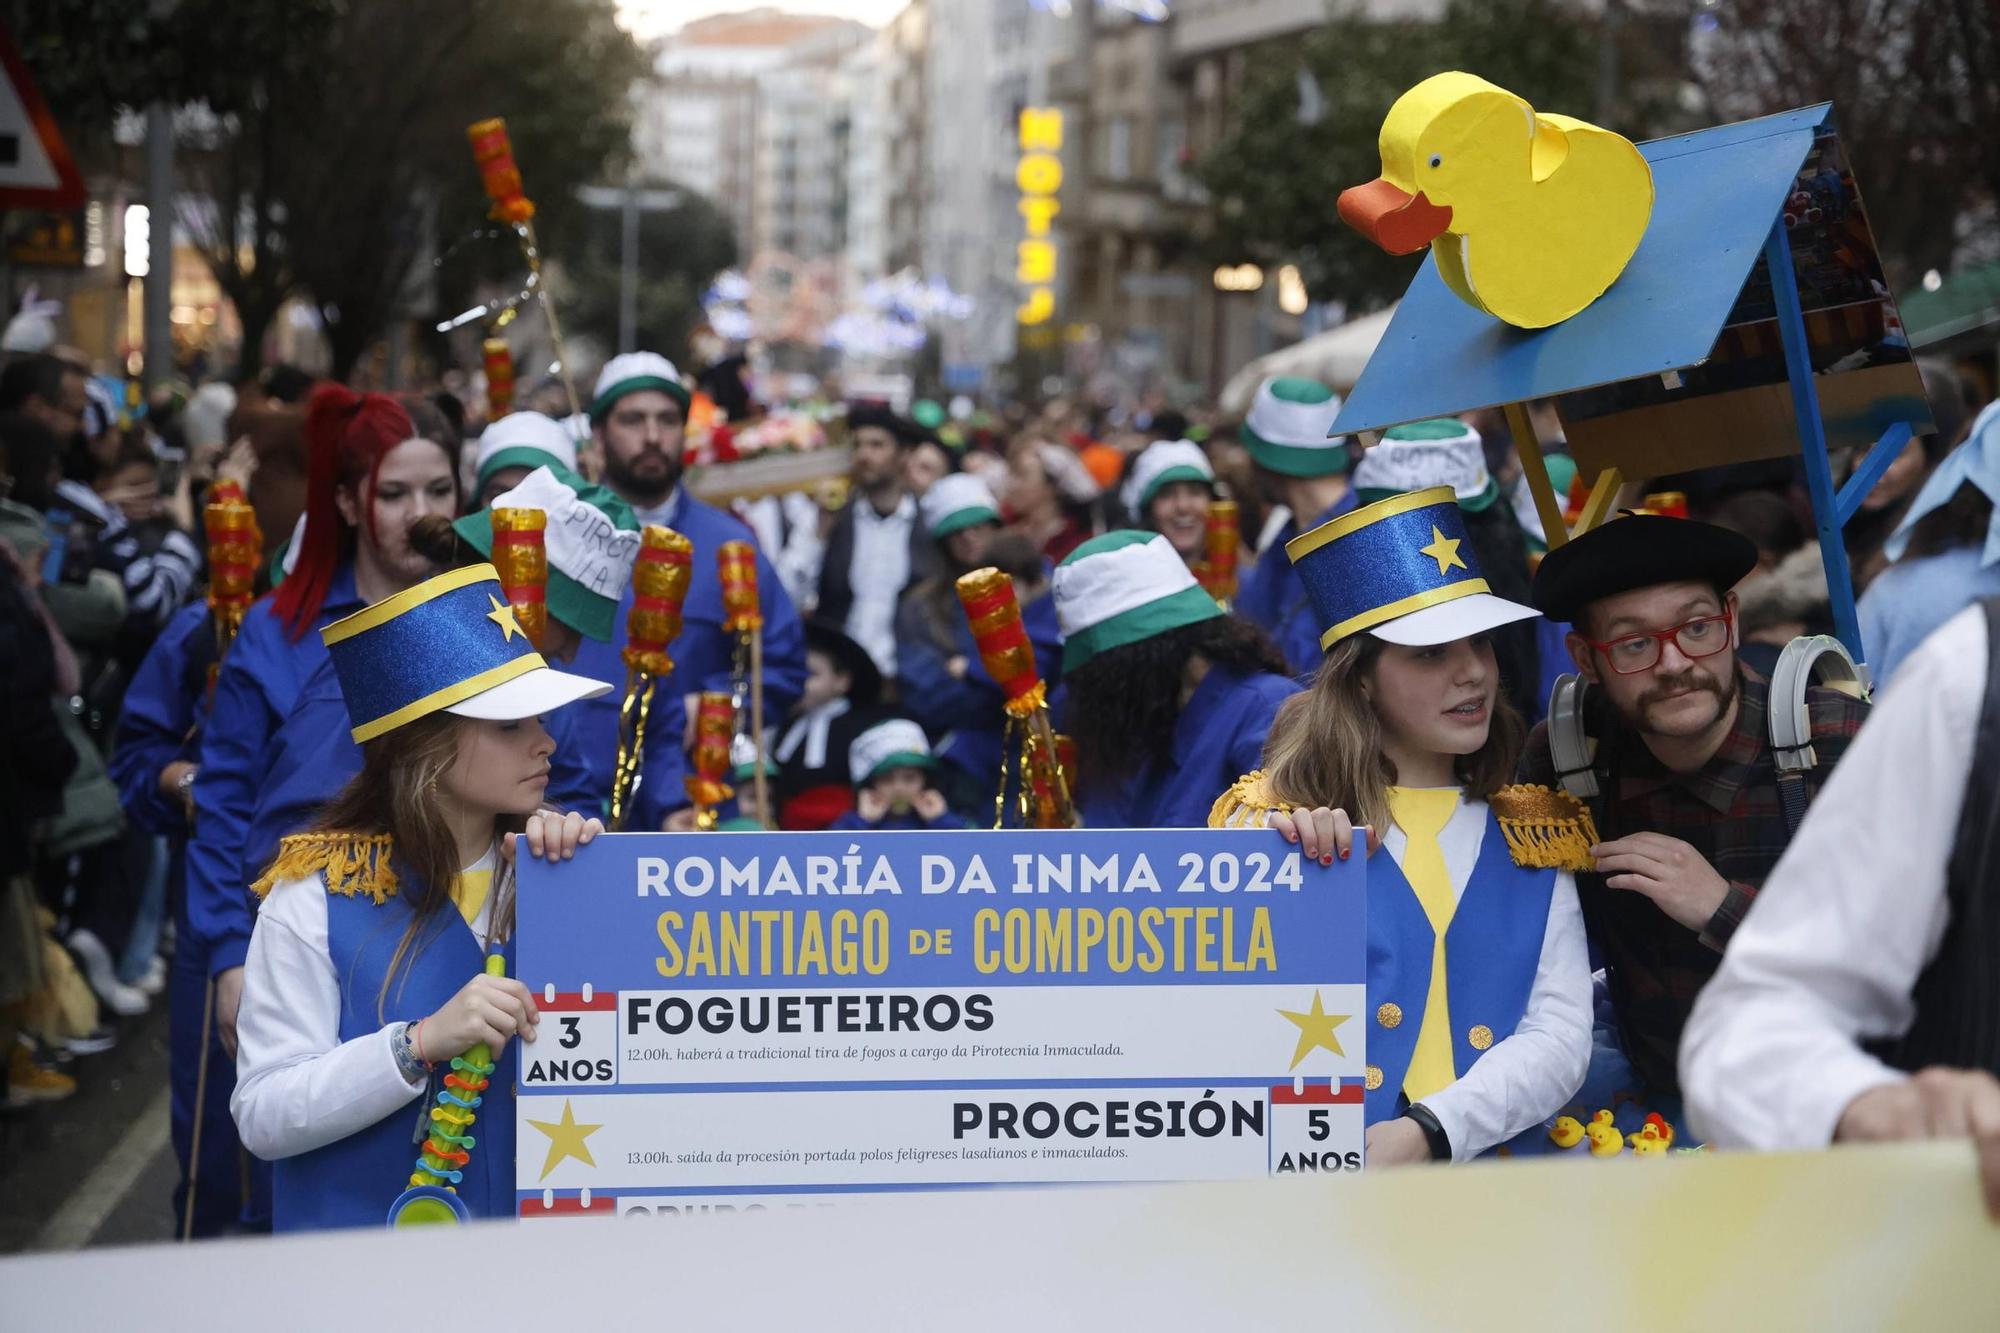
520, 554
493, 152
1220, 543
993, 609
660, 579
743, 616
714, 729
235, 548
499, 360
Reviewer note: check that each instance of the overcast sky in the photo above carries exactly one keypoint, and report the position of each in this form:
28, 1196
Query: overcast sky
652, 18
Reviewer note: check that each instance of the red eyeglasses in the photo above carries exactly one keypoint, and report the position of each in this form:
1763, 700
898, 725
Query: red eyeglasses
1629, 654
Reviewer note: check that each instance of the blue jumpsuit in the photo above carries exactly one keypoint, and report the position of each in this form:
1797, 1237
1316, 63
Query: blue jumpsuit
165, 707
852, 821
1219, 737
703, 656
314, 755
261, 680
1272, 596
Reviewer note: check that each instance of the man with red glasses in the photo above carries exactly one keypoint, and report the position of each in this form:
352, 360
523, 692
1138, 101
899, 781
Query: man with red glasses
1689, 817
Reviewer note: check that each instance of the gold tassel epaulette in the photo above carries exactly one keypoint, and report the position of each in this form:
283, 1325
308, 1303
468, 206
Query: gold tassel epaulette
352, 863
1545, 829
1247, 804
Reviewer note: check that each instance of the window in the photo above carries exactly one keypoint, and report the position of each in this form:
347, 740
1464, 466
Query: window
1118, 148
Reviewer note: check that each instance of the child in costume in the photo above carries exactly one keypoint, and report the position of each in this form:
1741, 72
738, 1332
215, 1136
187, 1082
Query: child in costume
375, 465
365, 975
1168, 698
893, 769
1477, 970
842, 692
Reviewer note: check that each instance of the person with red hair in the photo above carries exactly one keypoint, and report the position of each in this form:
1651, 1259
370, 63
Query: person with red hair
374, 466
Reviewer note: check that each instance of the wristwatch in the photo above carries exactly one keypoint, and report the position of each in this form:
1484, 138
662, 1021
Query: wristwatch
414, 1071
1434, 1134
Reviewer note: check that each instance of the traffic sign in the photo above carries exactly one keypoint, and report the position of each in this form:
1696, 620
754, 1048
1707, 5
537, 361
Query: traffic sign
36, 170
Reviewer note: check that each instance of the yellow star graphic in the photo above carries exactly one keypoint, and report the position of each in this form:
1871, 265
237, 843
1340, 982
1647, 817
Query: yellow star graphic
1443, 549
503, 615
1315, 1030
566, 1139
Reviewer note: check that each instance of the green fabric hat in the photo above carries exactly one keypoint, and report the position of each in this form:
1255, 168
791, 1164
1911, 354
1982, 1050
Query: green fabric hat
630, 372
1123, 587
894, 743
592, 540
1289, 428
1442, 451
956, 501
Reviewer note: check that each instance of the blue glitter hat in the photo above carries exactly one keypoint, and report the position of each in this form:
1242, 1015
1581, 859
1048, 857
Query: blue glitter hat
450, 644
1401, 569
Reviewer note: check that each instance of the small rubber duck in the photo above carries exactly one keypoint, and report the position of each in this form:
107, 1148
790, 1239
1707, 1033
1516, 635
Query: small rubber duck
1567, 1131
1530, 216
1648, 1142
1659, 1123
1605, 1140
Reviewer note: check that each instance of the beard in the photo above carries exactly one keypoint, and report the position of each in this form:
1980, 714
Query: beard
1639, 714
648, 476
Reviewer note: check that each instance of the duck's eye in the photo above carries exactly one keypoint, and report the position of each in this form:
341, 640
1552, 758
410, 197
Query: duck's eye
1437, 160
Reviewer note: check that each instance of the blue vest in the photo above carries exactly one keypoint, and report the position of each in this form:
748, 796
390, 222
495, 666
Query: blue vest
351, 1183
1492, 950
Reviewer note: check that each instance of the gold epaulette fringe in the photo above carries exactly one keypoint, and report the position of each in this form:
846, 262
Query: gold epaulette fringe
1247, 804
352, 863
1545, 829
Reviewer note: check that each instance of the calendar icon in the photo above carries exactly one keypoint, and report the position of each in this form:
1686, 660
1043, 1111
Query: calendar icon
578, 1045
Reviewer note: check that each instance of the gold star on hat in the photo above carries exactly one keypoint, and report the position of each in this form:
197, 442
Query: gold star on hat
566, 1140
1443, 549
1315, 1030
502, 615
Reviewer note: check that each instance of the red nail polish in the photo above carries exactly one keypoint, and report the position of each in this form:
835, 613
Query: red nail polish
1326, 860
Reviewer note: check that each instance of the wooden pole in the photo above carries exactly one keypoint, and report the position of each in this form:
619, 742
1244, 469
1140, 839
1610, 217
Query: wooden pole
1537, 472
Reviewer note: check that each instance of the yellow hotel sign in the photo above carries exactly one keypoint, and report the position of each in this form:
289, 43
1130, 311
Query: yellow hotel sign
1039, 176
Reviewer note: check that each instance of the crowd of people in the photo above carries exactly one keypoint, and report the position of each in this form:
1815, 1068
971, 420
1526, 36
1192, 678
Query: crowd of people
1632, 938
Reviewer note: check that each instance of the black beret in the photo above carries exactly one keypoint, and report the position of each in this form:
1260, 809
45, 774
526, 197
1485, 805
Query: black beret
831, 638
881, 416
1638, 551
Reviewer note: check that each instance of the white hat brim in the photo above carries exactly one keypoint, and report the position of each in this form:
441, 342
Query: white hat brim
530, 694
1448, 622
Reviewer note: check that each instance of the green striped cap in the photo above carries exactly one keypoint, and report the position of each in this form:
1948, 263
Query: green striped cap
1289, 429
1123, 587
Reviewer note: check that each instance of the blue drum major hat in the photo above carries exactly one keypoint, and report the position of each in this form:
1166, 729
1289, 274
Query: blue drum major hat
1402, 570
450, 644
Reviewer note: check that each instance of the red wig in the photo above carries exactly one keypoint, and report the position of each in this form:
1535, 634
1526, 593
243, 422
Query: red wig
347, 436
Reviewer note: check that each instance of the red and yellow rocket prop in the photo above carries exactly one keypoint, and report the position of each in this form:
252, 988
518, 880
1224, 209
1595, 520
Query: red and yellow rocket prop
714, 730
994, 612
660, 579
520, 554
499, 362
493, 152
743, 616
430, 1198
1220, 543
235, 548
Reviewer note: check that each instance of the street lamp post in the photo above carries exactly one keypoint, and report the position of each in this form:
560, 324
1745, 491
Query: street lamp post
630, 200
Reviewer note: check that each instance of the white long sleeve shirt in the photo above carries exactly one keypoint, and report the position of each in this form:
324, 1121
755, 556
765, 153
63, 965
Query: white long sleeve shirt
298, 1085
1847, 921
1531, 1074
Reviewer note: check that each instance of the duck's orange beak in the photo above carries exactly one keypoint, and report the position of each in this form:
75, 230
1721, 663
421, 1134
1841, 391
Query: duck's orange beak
1398, 221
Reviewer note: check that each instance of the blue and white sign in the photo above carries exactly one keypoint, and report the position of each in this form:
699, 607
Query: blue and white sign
763, 1019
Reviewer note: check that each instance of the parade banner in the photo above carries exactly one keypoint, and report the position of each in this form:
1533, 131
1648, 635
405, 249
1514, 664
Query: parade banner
785, 1018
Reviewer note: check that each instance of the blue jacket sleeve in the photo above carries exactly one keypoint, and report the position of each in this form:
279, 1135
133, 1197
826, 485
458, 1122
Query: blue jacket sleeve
570, 783
850, 819
947, 820
234, 749
784, 644
1246, 740
156, 724
929, 692
661, 789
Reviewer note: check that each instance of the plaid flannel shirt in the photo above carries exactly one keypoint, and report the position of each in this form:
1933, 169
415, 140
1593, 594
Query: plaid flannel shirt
1728, 811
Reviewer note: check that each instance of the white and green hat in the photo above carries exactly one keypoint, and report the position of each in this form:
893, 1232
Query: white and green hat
592, 540
956, 501
897, 743
1443, 451
523, 439
1289, 428
1162, 462
630, 372
1123, 587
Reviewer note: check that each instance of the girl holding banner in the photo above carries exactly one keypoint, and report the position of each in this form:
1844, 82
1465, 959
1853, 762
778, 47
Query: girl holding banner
1477, 968
365, 982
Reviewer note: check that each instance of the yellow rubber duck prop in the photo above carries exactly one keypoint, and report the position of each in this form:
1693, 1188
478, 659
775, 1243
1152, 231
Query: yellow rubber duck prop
1605, 1140
1648, 1142
1567, 1131
1531, 215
